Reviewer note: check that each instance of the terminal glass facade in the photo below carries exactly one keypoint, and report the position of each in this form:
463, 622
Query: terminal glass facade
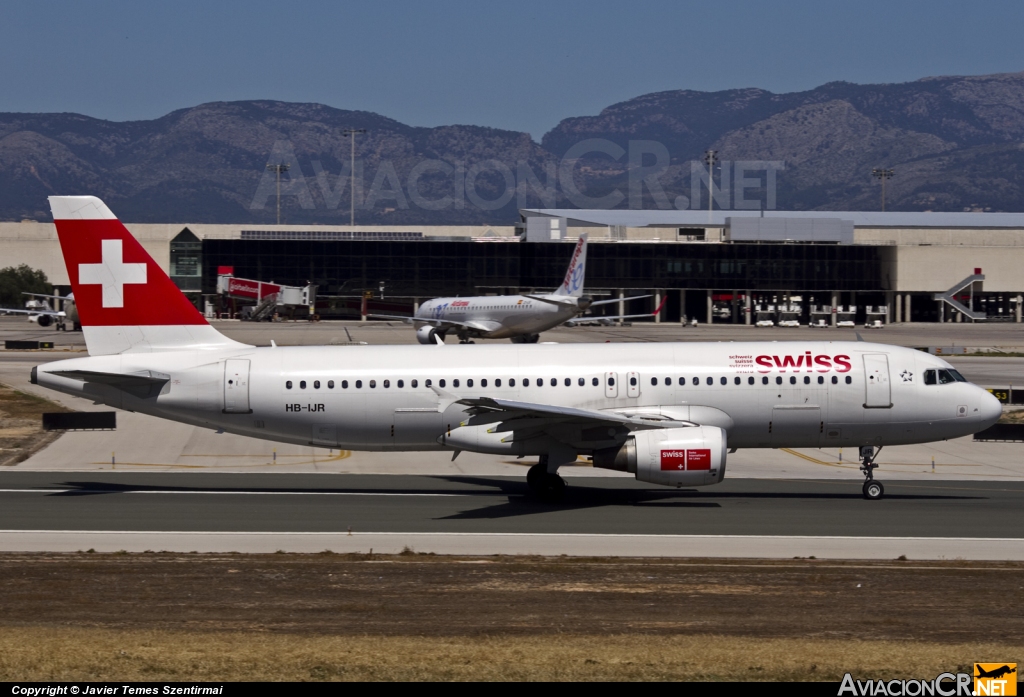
429, 268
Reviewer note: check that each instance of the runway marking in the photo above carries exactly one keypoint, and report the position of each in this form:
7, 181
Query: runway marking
880, 464
238, 493
342, 454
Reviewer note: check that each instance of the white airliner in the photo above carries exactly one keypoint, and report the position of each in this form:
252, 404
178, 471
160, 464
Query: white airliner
520, 318
666, 412
44, 315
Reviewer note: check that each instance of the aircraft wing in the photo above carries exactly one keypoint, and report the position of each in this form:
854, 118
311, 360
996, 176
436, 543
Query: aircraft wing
482, 326
512, 414
402, 318
616, 300
52, 313
550, 301
606, 318
44, 295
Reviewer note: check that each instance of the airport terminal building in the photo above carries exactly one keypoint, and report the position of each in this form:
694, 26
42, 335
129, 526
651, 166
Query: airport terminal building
725, 266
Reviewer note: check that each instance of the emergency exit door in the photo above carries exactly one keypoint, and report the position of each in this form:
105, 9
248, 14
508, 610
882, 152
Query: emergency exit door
236, 386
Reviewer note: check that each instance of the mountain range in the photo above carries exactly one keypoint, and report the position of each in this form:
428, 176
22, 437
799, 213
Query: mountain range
954, 144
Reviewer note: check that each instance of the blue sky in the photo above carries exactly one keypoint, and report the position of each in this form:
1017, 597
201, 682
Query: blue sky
521, 65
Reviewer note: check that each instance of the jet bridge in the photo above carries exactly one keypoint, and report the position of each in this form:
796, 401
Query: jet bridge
952, 296
268, 296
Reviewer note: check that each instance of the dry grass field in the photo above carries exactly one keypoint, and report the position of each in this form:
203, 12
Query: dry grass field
21, 430
419, 617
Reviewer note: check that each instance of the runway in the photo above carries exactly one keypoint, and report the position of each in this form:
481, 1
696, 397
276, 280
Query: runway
212, 512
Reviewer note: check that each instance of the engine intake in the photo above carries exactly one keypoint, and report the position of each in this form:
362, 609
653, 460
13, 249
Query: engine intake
693, 456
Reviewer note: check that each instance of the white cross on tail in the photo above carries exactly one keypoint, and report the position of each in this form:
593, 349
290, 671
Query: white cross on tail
112, 273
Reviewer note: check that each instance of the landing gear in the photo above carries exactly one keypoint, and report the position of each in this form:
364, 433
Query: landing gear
873, 489
545, 485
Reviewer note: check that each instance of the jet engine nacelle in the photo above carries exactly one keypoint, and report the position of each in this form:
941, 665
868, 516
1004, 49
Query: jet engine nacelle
692, 456
426, 334
42, 320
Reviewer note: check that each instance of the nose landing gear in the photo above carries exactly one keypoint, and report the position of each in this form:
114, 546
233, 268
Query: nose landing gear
873, 489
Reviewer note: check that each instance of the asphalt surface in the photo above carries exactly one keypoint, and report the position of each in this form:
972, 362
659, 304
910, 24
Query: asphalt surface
382, 503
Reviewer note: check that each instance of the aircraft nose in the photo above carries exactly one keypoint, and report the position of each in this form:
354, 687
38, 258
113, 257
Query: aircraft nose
989, 408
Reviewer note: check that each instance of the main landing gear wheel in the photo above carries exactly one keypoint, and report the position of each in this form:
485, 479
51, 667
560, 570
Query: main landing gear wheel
544, 485
873, 490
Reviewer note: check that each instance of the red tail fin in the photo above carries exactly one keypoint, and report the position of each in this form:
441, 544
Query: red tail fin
125, 300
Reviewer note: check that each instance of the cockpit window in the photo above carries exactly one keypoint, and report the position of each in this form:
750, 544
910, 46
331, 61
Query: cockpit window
957, 376
929, 377
946, 378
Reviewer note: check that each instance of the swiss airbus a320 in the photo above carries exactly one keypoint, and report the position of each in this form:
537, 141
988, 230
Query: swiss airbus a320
666, 412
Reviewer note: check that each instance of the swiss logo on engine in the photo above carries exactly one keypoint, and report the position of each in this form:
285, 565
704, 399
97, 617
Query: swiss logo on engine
682, 460
673, 460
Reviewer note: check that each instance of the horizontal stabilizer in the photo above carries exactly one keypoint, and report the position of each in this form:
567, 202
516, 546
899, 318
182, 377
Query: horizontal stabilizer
139, 379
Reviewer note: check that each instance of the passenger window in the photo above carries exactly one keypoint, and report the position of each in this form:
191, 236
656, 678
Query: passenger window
401, 383
330, 384
611, 382
344, 384
696, 381
737, 380
440, 382
387, 383
750, 381
792, 379
302, 384
835, 380
581, 382
414, 383
316, 384
288, 385
483, 382
511, 382
764, 380
807, 380
778, 380
526, 382
428, 382
724, 380
632, 382
568, 382
469, 383
848, 380
455, 382
711, 381
359, 384
540, 382
821, 379
668, 381
373, 384
945, 378
654, 381
554, 382
595, 382
929, 377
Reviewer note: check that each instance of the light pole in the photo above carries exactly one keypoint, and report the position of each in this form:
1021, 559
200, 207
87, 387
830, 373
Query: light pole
278, 169
711, 158
351, 133
883, 174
